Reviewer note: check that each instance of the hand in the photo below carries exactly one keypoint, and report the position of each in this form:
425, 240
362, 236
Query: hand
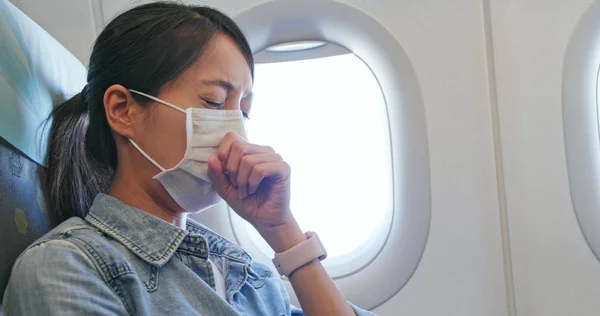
254, 180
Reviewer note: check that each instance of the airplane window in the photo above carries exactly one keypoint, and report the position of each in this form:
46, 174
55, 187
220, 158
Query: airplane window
327, 117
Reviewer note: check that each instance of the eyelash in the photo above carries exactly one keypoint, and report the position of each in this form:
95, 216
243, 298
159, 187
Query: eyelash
213, 104
217, 105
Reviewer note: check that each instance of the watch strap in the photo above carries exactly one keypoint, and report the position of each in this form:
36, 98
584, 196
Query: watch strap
290, 260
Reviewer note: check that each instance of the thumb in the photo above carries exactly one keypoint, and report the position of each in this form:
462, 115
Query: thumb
217, 177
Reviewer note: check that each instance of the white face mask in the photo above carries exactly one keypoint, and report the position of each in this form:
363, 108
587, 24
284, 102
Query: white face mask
188, 182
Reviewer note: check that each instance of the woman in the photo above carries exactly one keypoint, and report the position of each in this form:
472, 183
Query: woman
165, 81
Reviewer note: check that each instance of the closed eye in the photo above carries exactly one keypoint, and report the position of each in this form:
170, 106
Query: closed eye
214, 104
217, 105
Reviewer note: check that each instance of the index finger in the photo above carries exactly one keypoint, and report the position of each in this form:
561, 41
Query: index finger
225, 147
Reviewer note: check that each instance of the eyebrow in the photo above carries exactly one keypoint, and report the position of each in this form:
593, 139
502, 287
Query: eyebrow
221, 83
228, 86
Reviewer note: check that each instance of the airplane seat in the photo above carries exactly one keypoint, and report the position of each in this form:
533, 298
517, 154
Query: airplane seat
36, 73
23, 217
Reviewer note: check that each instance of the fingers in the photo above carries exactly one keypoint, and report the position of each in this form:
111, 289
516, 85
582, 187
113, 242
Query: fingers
244, 166
218, 178
276, 170
247, 164
231, 151
225, 147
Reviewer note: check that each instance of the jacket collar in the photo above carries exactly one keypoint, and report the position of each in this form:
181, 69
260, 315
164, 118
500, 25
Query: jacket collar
153, 239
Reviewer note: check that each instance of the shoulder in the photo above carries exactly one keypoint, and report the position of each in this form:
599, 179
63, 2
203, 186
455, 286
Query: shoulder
53, 243
75, 245
64, 229
56, 251
50, 257
46, 268
58, 268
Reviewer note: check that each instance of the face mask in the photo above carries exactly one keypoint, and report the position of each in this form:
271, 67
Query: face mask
188, 182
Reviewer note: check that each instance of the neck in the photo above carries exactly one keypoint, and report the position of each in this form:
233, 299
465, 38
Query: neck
125, 188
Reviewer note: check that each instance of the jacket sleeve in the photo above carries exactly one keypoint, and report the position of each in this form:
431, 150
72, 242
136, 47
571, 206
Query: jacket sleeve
57, 278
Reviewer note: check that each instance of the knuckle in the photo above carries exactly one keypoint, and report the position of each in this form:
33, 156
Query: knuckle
221, 154
236, 137
261, 170
254, 179
247, 161
269, 149
223, 151
253, 175
238, 147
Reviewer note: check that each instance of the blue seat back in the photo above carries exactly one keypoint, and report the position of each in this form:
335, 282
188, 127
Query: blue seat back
36, 74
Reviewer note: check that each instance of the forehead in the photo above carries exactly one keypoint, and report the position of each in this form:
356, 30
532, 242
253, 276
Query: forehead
222, 60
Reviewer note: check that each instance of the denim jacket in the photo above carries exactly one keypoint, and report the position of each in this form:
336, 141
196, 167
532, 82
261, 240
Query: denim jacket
123, 261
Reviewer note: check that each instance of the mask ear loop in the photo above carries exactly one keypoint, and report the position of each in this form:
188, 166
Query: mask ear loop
162, 102
158, 100
146, 155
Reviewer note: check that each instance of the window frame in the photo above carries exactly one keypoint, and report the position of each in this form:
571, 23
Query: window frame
283, 21
581, 124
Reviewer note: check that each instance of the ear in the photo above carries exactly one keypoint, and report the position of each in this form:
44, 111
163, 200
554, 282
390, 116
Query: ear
122, 111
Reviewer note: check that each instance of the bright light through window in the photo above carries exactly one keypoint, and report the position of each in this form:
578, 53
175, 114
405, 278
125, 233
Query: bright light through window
327, 118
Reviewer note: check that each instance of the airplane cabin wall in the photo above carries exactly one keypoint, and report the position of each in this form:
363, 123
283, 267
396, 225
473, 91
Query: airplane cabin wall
555, 272
69, 22
462, 271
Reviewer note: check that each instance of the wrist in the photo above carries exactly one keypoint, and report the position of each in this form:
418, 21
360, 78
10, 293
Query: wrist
283, 236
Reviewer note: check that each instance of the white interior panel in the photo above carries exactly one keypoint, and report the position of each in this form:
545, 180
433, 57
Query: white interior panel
68, 21
555, 273
461, 272
112, 8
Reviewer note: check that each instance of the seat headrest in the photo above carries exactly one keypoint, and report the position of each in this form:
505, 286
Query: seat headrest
36, 74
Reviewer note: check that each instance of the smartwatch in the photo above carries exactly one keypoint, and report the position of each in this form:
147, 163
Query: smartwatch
301, 254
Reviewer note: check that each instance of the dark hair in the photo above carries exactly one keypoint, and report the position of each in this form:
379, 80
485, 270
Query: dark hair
143, 49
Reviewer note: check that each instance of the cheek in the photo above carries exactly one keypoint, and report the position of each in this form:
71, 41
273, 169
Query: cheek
167, 137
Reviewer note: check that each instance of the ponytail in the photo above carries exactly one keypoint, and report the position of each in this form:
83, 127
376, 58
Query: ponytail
169, 37
73, 177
